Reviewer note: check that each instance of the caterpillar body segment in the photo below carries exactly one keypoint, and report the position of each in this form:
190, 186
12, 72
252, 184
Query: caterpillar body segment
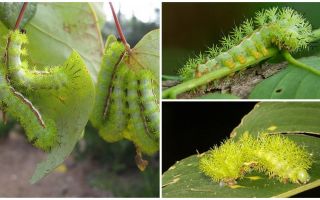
284, 29
113, 54
116, 115
149, 101
227, 171
138, 130
275, 155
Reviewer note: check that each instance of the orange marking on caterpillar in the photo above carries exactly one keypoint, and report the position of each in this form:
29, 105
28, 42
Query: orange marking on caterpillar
241, 59
229, 63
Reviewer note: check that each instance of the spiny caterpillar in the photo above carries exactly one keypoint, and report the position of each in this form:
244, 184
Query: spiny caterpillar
275, 155
17, 81
33, 79
126, 100
280, 28
271, 31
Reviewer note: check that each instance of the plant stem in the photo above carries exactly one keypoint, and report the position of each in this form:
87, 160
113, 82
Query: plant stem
119, 29
207, 78
20, 17
172, 78
297, 63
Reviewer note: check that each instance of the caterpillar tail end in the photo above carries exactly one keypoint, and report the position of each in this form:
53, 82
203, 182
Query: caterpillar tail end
140, 162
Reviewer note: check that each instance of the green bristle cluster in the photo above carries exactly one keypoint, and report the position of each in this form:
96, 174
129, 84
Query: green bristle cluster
275, 155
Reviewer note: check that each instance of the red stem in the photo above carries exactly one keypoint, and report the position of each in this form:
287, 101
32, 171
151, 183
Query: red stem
20, 17
119, 29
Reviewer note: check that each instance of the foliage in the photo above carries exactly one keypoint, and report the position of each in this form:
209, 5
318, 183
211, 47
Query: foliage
291, 83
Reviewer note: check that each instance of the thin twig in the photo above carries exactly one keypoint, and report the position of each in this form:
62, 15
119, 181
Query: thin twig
20, 17
119, 29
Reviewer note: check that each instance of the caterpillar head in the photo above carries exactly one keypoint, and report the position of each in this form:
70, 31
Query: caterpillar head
288, 29
303, 176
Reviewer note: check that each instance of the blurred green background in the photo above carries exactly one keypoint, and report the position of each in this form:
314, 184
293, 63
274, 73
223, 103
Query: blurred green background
190, 28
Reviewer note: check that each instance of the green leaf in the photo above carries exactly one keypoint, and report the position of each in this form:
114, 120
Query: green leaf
291, 83
286, 117
9, 13
70, 107
217, 95
184, 179
146, 53
59, 28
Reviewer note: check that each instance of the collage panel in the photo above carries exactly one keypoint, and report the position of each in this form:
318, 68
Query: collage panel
240, 50
80, 99
240, 149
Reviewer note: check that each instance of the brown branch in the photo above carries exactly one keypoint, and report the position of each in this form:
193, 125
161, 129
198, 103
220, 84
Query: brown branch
119, 29
20, 17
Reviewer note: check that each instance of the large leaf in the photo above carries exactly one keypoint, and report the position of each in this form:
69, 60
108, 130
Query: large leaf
9, 13
58, 28
184, 179
70, 108
291, 83
277, 117
146, 53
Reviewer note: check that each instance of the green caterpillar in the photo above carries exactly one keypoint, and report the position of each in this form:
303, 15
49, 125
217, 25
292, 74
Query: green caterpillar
274, 155
40, 132
276, 30
126, 100
283, 29
24, 78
